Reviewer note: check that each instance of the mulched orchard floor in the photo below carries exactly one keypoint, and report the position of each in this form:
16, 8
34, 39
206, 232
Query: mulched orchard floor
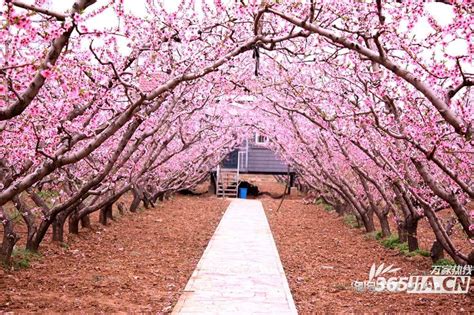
139, 263
321, 256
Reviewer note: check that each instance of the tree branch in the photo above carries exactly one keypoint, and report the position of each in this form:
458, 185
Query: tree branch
58, 16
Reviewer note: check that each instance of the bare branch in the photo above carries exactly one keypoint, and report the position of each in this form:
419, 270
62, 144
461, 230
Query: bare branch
31, 7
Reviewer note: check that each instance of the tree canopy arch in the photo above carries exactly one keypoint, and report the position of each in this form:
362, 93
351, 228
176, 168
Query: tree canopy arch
374, 117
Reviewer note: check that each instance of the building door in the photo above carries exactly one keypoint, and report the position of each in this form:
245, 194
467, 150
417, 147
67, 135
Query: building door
231, 160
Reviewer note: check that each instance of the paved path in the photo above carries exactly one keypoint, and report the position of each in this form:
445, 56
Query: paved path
240, 271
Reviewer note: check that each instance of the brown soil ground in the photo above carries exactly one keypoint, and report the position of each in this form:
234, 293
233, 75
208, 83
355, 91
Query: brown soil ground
139, 263
322, 256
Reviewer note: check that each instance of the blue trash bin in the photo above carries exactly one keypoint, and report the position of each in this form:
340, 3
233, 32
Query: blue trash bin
243, 193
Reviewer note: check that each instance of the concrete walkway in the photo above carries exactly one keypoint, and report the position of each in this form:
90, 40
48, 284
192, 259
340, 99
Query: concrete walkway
240, 271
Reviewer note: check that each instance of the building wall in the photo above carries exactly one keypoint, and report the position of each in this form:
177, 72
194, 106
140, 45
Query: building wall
260, 159
263, 160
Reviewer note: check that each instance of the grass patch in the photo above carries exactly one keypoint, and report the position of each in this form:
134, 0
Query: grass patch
393, 242
444, 262
325, 206
351, 220
48, 194
418, 252
15, 215
64, 245
22, 258
376, 235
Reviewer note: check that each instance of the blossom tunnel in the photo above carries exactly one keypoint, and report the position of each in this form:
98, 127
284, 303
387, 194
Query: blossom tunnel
369, 101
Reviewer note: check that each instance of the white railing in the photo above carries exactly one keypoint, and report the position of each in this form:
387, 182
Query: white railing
242, 161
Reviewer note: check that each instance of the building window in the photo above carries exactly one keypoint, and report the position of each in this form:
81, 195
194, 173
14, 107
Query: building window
260, 139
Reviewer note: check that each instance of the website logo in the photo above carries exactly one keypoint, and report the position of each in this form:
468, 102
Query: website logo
442, 280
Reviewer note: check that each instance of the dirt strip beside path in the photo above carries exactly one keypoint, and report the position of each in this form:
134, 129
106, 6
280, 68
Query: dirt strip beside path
138, 263
322, 256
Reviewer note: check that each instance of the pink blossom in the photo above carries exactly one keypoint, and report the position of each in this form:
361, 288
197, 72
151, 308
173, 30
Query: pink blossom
46, 73
23, 22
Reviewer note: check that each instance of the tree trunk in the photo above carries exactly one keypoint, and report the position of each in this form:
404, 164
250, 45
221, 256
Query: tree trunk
121, 208
447, 195
75, 219
212, 184
385, 226
408, 230
109, 212
74, 224
86, 222
370, 217
30, 237
29, 219
104, 207
9, 238
102, 217
361, 212
147, 200
34, 244
443, 237
105, 213
136, 200
368, 220
341, 208
381, 214
58, 227
402, 233
411, 229
437, 251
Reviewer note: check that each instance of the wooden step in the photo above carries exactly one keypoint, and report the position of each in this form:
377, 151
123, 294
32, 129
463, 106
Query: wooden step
227, 189
228, 182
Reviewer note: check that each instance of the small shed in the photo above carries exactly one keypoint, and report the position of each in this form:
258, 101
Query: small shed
252, 157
